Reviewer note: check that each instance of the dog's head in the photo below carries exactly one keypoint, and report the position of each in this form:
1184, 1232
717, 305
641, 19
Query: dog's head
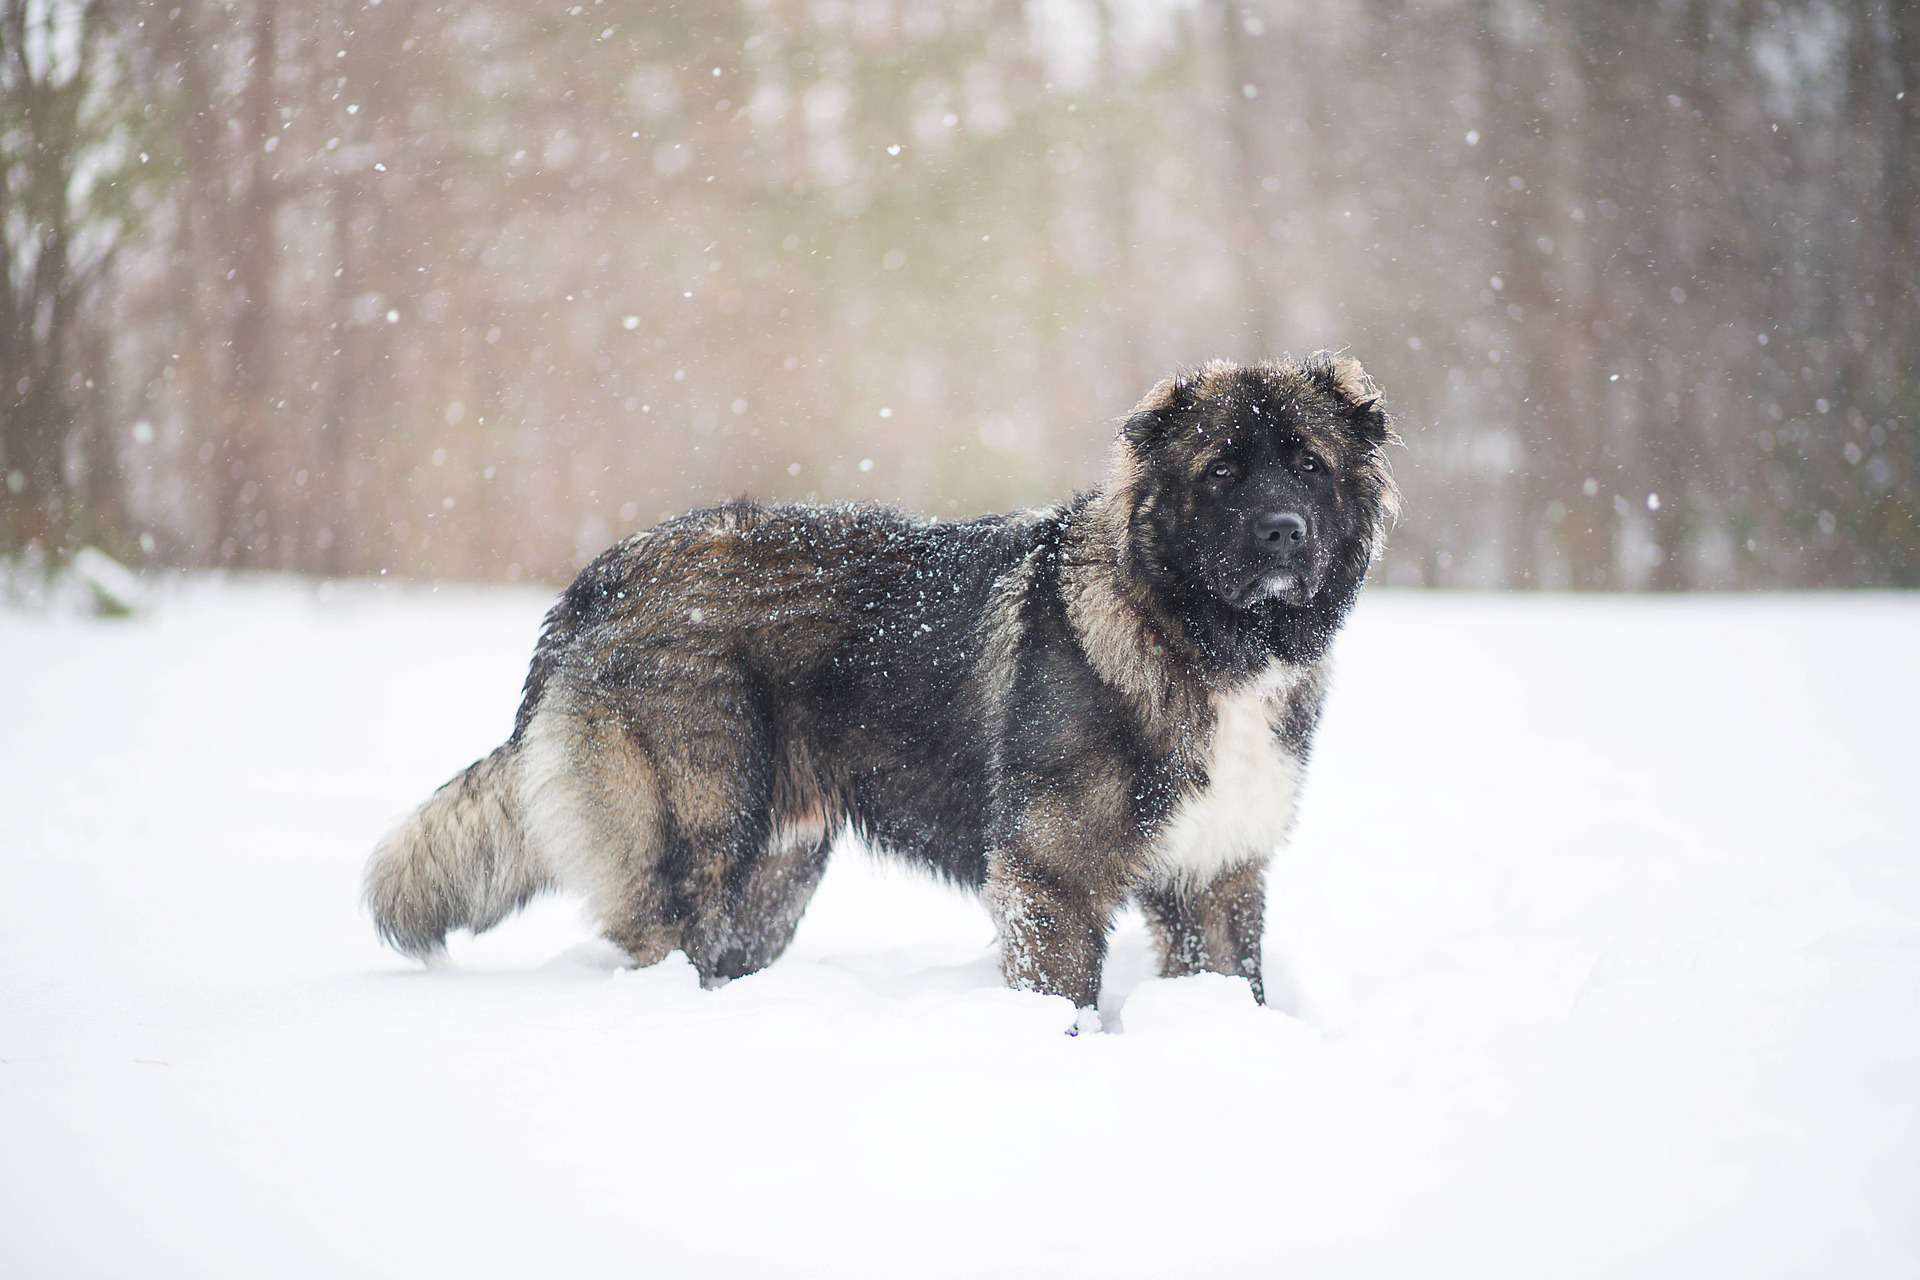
1262, 484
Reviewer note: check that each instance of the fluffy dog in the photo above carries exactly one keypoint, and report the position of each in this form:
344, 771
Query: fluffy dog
1066, 708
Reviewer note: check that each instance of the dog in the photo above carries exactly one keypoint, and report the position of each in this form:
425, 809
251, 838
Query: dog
1065, 709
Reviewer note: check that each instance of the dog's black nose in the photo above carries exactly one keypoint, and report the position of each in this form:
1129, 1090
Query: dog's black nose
1279, 532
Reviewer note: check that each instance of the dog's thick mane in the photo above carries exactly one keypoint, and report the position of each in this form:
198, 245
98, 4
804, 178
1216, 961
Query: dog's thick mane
1127, 593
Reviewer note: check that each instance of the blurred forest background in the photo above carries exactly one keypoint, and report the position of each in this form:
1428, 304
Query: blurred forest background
472, 289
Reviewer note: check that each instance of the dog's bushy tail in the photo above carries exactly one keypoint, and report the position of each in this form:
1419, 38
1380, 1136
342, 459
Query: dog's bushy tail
460, 861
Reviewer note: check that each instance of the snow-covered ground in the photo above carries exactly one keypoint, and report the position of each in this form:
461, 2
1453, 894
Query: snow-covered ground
1600, 941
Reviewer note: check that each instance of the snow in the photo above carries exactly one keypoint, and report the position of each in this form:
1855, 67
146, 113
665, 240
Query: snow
115, 588
1599, 941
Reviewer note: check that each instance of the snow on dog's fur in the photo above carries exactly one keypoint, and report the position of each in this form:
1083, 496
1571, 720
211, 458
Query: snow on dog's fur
1068, 708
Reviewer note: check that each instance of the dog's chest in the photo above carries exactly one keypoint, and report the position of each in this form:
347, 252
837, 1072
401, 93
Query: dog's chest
1246, 805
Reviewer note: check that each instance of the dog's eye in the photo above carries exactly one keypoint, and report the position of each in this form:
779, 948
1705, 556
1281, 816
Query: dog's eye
1222, 471
1308, 463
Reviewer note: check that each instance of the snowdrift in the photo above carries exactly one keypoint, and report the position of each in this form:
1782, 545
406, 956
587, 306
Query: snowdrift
1596, 954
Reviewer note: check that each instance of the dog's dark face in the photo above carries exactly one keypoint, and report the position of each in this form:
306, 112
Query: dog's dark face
1263, 483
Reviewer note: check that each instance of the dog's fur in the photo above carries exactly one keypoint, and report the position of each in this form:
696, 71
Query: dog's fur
1064, 708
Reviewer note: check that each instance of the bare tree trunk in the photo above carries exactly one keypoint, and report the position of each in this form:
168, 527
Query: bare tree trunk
197, 269
1523, 292
1246, 223
102, 475
44, 289
246, 534
1903, 186
1118, 178
332, 480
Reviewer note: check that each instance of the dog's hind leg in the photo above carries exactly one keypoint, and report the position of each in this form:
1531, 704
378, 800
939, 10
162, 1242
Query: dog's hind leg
762, 908
725, 875
766, 894
662, 812
595, 808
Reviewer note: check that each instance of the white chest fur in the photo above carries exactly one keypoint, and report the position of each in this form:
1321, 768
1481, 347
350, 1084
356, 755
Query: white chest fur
1246, 807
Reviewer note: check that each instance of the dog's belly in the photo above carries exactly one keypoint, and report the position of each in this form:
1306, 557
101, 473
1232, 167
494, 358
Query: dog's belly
1246, 808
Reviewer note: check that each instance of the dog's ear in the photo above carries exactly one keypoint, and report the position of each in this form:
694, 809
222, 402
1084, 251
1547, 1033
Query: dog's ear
1343, 378
1371, 422
1150, 420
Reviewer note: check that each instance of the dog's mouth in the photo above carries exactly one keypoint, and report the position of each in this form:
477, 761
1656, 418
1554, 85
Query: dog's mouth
1288, 586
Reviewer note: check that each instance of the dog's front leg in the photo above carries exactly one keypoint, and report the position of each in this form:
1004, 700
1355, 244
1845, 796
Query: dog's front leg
1053, 923
1216, 928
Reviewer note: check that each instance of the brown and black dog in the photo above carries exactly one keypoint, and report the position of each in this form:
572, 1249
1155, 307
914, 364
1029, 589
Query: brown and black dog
1066, 708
